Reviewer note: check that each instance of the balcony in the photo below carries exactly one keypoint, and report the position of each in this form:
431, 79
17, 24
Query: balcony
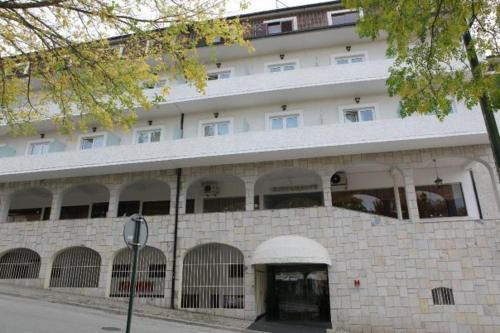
463, 128
293, 86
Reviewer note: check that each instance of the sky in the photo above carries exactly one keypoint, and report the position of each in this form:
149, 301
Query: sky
259, 5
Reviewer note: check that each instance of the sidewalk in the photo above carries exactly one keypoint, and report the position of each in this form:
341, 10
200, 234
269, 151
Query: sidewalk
119, 307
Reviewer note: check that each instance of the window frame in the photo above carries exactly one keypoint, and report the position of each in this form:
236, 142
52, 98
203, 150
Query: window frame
148, 128
341, 11
32, 142
281, 63
284, 114
91, 135
281, 19
356, 107
231, 70
202, 123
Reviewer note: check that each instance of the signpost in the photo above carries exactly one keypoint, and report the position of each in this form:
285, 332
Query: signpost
135, 234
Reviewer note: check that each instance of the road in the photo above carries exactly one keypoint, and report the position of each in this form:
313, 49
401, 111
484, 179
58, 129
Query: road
24, 315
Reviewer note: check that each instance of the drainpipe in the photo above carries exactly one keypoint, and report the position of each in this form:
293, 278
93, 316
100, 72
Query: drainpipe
176, 222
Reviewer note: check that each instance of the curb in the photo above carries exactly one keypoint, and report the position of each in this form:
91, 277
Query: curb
124, 312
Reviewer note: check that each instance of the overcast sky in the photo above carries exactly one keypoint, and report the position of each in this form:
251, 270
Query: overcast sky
259, 5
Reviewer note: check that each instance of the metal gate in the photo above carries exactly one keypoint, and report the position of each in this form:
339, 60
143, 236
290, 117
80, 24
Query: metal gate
76, 267
20, 264
151, 272
213, 277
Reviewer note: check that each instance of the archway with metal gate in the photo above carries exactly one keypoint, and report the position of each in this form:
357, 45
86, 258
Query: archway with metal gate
76, 267
291, 274
20, 263
151, 273
213, 277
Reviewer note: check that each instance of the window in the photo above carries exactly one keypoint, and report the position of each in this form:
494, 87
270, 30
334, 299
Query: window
343, 17
216, 128
278, 68
443, 296
354, 59
280, 122
446, 200
214, 205
39, 148
146, 136
221, 75
92, 142
356, 115
279, 26
156, 208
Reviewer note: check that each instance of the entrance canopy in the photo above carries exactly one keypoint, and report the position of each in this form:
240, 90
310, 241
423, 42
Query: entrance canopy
291, 250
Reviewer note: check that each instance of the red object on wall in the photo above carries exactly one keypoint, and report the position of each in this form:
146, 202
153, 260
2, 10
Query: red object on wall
357, 283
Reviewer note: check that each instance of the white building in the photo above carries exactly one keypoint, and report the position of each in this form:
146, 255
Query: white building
292, 188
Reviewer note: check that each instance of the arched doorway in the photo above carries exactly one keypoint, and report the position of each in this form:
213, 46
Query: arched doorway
20, 264
76, 267
213, 278
292, 279
151, 273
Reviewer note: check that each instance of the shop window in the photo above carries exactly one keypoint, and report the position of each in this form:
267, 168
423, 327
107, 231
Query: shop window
446, 200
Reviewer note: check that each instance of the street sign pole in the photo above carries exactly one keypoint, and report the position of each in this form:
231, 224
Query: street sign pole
135, 240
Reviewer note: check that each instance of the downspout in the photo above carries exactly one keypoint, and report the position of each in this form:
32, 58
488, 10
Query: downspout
176, 222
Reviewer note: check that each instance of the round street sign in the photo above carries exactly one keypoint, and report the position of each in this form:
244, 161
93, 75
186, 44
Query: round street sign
135, 221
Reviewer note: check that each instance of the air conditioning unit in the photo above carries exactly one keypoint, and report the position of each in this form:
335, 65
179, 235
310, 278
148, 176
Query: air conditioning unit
210, 189
338, 179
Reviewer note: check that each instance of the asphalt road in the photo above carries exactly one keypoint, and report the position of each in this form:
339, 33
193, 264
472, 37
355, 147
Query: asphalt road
23, 315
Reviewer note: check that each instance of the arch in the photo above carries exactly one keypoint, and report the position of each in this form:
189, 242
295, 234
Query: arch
20, 263
216, 193
85, 201
147, 197
76, 267
370, 187
151, 273
213, 277
290, 249
30, 204
289, 188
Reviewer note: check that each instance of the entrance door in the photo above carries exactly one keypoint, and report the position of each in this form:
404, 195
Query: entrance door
298, 292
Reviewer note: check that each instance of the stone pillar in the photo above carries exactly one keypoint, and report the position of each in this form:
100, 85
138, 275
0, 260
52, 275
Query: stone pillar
327, 190
397, 199
249, 194
4, 206
411, 195
114, 199
55, 206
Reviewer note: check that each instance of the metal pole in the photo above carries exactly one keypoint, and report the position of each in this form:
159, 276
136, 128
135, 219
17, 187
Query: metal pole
484, 101
132, 278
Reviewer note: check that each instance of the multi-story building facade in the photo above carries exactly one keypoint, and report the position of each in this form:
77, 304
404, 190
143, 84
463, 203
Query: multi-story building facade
291, 188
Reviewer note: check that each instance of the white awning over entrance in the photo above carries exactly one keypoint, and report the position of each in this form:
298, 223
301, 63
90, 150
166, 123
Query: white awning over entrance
290, 250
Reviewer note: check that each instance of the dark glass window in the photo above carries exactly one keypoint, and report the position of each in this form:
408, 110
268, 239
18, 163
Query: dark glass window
339, 19
215, 205
156, 208
127, 208
190, 206
46, 214
74, 212
293, 200
28, 214
445, 200
99, 209
279, 27
375, 201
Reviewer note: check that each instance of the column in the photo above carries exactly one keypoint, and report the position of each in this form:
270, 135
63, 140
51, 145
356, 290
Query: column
4, 206
114, 199
411, 195
396, 194
249, 194
55, 206
327, 190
